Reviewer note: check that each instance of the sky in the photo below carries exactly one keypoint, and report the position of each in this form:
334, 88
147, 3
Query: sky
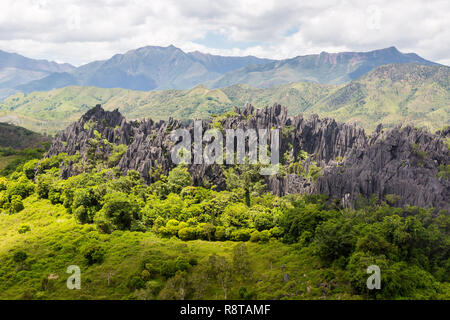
78, 32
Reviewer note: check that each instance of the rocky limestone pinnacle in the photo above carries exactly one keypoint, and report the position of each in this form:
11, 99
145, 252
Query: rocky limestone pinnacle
400, 161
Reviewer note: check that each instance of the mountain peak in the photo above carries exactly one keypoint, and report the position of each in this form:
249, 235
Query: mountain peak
327, 68
391, 49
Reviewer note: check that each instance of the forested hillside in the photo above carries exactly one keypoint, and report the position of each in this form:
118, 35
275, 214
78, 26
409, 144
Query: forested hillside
18, 145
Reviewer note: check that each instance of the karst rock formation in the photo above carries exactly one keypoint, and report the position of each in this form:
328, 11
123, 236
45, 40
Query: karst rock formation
403, 161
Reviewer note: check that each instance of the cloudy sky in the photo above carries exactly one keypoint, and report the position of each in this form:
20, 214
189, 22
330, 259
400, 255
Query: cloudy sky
81, 31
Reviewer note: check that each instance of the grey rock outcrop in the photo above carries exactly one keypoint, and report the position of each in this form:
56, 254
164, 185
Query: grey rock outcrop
401, 161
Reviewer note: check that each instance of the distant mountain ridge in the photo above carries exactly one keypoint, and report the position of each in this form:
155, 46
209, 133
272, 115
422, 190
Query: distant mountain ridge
153, 67
16, 70
147, 68
329, 68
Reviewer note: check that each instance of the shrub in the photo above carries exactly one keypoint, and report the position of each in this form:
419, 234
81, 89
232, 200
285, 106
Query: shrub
181, 264
444, 171
254, 237
145, 275
3, 183
116, 155
193, 261
168, 268
135, 282
236, 215
245, 294
22, 187
55, 196
29, 168
121, 209
93, 253
276, 232
392, 198
24, 228
264, 221
220, 234
16, 204
241, 235
20, 256
187, 234
260, 236
264, 236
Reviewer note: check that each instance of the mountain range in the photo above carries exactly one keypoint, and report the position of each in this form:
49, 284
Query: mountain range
330, 68
146, 68
16, 70
389, 94
152, 67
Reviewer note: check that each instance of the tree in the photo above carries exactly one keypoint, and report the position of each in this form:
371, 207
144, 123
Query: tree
16, 204
263, 221
207, 231
187, 233
398, 279
304, 215
179, 178
44, 184
220, 270
241, 234
3, 183
85, 204
236, 215
120, 209
335, 239
22, 187
241, 260
245, 180
29, 168
177, 288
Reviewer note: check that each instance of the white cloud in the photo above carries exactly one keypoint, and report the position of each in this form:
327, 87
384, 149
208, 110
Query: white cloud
82, 31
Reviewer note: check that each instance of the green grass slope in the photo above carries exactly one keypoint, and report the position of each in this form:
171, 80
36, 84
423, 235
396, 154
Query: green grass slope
55, 241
